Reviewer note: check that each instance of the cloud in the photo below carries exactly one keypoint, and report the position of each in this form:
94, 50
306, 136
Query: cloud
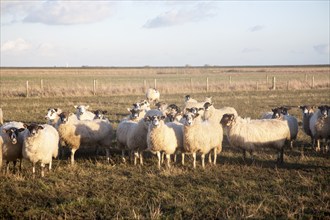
321, 48
57, 12
15, 45
251, 50
173, 17
256, 28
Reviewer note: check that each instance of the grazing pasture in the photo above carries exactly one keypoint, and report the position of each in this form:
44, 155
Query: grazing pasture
232, 189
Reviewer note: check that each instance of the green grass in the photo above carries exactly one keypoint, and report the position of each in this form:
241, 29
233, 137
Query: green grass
233, 189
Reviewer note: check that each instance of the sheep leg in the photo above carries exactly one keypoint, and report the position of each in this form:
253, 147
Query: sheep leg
7, 167
194, 160
159, 156
280, 156
168, 158
291, 145
34, 169
50, 166
210, 157
182, 159
135, 156
42, 170
203, 162
123, 156
73, 151
107, 153
318, 148
141, 158
174, 160
215, 156
20, 165
244, 155
162, 156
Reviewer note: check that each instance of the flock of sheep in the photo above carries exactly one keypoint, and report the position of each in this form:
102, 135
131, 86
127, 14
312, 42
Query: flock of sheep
165, 130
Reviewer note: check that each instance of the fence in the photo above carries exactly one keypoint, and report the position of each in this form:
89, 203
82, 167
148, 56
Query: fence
171, 85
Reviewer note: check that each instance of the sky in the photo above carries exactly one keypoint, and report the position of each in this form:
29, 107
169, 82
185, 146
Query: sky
164, 33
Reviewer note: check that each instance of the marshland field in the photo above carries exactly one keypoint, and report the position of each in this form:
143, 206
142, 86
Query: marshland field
233, 189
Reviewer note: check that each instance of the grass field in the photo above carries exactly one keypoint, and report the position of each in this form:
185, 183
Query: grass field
233, 189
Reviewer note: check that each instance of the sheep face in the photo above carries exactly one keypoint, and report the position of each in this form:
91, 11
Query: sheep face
276, 112
34, 129
307, 110
52, 113
13, 133
186, 98
207, 106
99, 114
81, 109
155, 120
189, 118
324, 110
134, 113
227, 120
64, 117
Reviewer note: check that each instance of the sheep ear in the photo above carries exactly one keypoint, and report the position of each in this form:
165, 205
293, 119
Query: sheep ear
162, 117
40, 127
200, 109
196, 115
25, 125
75, 106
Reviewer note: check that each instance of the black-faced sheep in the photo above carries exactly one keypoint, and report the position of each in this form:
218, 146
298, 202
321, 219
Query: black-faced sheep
215, 115
164, 137
40, 144
320, 127
307, 112
201, 137
11, 143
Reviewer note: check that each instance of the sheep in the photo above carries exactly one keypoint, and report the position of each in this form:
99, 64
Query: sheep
215, 115
187, 98
137, 138
82, 112
281, 113
250, 135
161, 106
164, 137
52, 116
319, 126
189, 105
123, 129
201, 137
152, 95
143, 104
100, 114
1, 117
40, 144
11, 144
77, 133
307, 112
173, 113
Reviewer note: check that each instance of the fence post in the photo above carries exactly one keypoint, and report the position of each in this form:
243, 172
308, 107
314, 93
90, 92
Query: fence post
313, 82
257, 86
267, 79
229, 80
27, 89
94, 86
207, 84
145, 85
287, 85
42, 87
155, 84
274, 83
191, 84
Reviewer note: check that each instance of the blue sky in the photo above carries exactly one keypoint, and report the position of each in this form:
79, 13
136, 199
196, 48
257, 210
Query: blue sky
164, 33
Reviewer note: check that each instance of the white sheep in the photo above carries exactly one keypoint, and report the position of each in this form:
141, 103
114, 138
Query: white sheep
82, 112
40, 144
215, 115
11, 143
1, 116
152, 95
281, 113
96, 132
319, 125
187, 98
164, 137
250, 135
201, 137
307, 112
198, 105
137, 138
125, 126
